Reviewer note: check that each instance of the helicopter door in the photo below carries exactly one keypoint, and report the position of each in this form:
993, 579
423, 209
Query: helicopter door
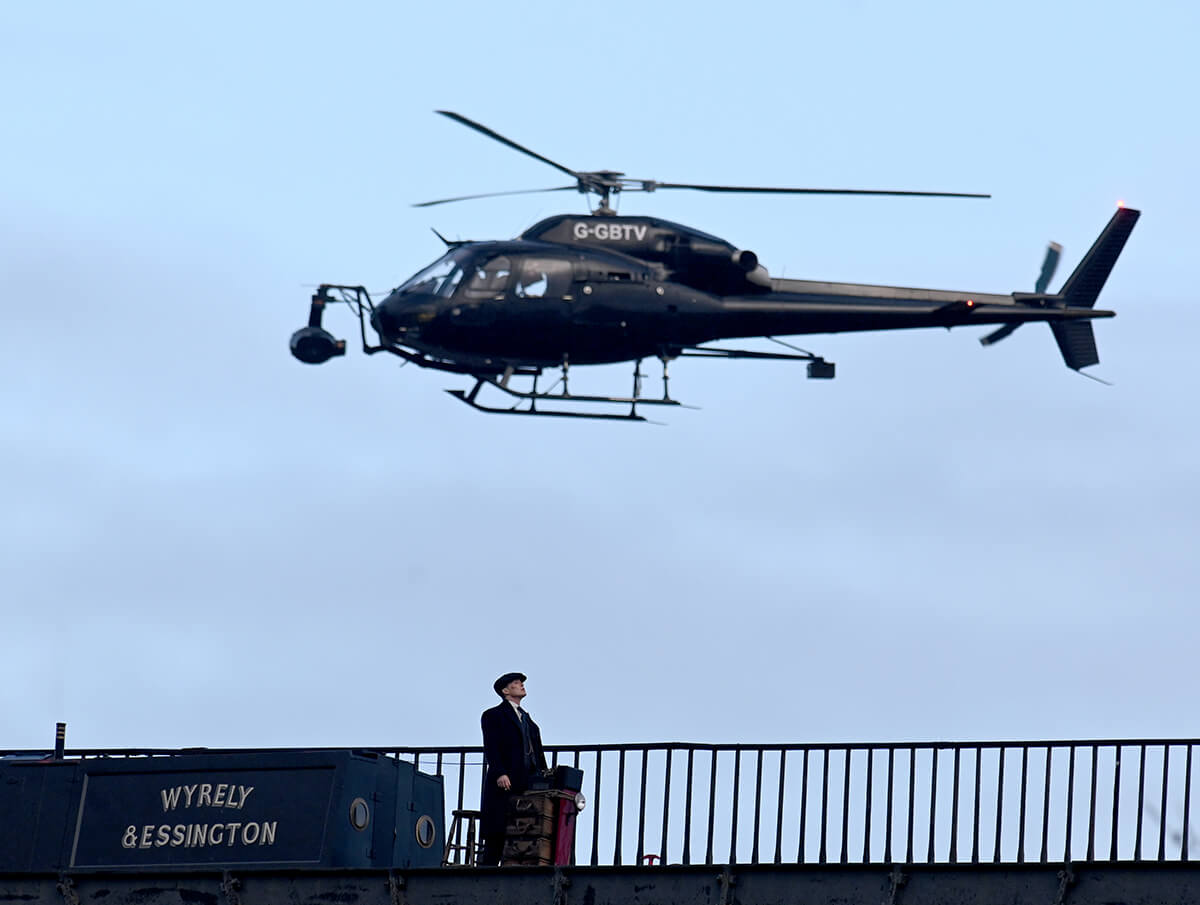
543, 278
539, 309
616, 305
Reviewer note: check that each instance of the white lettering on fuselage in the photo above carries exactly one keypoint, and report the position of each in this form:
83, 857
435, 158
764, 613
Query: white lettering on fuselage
609, 232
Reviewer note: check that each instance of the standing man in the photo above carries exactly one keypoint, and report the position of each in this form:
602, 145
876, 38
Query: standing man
512, 748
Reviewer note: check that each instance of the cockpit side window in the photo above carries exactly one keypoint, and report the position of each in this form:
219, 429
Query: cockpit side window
439, 278
543, 278
450, 283
488, 278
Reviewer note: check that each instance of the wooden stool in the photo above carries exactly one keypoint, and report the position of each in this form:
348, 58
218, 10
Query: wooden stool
454, 844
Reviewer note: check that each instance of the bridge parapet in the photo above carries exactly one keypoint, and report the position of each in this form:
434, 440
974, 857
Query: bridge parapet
936, 803
1001, 802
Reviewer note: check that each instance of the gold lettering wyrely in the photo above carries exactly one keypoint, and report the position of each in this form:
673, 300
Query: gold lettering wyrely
205, 795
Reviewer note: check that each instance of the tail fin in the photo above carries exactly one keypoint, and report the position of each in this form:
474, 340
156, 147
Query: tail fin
1077, 343
1075, 338
1082, 287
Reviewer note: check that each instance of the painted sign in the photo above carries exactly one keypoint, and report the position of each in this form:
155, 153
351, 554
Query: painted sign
133, 819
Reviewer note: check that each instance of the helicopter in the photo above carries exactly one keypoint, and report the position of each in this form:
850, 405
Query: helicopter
601, 288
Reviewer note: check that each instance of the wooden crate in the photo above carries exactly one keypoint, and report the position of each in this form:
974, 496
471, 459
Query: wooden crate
531, 804
536, 825
536, 850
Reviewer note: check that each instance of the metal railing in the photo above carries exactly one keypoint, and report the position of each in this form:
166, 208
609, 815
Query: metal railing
925, 802
921, 802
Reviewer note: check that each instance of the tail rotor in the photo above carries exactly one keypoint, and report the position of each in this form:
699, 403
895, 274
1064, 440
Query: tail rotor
1049, 265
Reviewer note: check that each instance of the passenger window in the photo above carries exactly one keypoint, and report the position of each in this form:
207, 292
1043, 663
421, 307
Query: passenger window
543, 278
488, 279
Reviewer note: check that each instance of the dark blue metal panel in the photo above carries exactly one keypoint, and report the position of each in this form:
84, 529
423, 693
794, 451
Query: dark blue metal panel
201, 813
325, 808
37, 803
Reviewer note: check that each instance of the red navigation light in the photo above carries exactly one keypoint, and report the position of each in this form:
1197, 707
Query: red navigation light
1120, 204
970, 303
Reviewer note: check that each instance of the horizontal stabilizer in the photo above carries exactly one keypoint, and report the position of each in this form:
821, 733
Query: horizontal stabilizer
1083, 286
1077, 343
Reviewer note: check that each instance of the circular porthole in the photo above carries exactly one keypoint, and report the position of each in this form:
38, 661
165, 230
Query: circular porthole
360, 814
426, 831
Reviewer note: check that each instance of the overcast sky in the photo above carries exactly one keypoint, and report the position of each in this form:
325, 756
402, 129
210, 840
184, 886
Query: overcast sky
205, 542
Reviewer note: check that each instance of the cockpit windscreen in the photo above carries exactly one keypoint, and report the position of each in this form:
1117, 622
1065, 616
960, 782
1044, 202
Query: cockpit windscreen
439, 278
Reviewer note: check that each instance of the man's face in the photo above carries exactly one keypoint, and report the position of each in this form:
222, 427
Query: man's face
515, 689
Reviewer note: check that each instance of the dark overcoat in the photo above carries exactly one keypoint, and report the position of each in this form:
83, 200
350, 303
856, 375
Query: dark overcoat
504, 752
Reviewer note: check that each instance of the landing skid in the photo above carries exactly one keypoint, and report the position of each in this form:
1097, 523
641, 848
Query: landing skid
527, 401
469, 399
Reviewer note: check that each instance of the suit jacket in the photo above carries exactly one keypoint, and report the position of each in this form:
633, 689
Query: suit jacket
504, 751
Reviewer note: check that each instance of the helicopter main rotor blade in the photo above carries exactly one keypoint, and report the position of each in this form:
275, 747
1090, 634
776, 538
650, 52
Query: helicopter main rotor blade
561, 188
786, 191
479, 127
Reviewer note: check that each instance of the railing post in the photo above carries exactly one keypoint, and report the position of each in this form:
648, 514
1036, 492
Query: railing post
1091, 846
975, 817
737, 778
687, 811
1162, 811
800, 852
620, 806
887, 837
845, 856
933, 770
641, 843
596, 810
779, 807
757, 806
712, 807
662, 850
1070, 803
999, 806
824, 804
1116, 807
954, 809
1024, 794
1185, 842
462, 777
912, 802
1045, 853
866, 858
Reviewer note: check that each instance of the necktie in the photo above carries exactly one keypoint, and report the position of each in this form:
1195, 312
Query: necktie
528, 742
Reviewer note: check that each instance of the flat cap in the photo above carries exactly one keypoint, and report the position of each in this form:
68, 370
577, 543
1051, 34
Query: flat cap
505, 679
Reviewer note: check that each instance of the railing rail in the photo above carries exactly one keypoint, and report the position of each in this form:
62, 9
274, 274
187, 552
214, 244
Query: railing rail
923, 802
859, 803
